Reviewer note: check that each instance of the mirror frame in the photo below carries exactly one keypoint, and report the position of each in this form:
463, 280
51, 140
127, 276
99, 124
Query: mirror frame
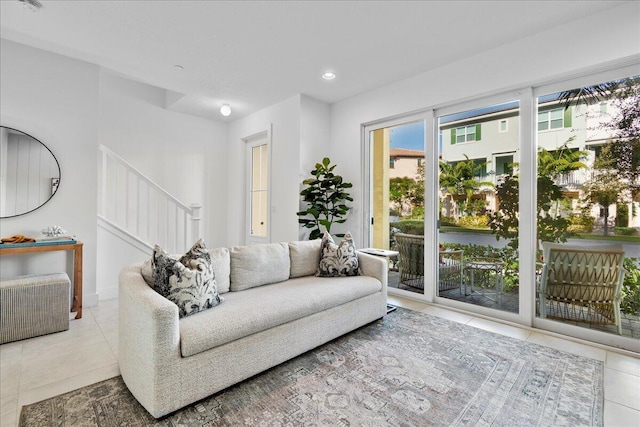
57, 164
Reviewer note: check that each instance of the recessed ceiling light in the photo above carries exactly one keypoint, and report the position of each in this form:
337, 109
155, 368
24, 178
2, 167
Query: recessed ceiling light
32, 5
225, 110
329, 75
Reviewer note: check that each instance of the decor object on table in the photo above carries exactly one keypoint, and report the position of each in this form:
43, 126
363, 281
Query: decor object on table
268, 317
410, 369
53, 231
18, 238
582, 284
326, 197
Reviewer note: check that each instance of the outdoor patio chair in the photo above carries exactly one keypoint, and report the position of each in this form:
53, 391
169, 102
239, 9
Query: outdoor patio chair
411, 263
582, 284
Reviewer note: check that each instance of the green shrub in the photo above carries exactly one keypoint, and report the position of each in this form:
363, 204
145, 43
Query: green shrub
480, 221
582, 223
625, 231
417, 213
622, 215
409, 226
448, 221
630, 303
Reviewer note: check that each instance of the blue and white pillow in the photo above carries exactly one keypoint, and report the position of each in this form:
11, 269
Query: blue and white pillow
188, 282
337, 260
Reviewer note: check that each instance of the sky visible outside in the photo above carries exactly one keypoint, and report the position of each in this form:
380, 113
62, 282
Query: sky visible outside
409, 136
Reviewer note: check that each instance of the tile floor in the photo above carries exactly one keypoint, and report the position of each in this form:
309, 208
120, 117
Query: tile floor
35, 369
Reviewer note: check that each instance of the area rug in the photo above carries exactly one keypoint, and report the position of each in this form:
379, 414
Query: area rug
408, 369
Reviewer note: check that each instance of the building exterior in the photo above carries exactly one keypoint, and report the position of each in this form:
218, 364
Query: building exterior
490, 137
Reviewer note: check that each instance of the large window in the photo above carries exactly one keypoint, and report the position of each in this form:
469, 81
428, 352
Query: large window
553, 167
589, 181
474, 267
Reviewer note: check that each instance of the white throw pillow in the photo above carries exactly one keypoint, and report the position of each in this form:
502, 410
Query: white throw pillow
305, 257
337, 260
259, 265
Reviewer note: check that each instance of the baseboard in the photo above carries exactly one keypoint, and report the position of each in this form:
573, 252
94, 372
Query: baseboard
108, 293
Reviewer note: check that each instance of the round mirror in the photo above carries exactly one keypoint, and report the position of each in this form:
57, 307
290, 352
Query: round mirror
29, 173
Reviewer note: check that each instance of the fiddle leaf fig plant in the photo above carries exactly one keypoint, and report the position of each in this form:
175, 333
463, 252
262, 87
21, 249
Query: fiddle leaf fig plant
326, 199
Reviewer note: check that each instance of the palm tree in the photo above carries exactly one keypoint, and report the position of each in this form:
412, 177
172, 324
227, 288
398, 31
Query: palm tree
460, 179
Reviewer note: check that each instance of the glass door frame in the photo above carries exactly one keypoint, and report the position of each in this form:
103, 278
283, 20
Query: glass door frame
425, 116
586, 79
526, 295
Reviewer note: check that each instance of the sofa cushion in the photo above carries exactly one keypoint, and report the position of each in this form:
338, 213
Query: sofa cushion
304, 257
261, 308
337, 260
189, 282
221, 268
258, 265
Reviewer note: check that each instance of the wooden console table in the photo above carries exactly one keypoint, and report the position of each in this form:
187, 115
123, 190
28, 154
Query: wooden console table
71, 245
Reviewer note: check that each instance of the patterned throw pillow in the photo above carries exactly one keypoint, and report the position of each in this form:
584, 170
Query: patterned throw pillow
188, 282
337, 260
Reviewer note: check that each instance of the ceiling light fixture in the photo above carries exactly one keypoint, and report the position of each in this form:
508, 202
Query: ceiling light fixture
329, 75
178, 67
225, 110
32, 5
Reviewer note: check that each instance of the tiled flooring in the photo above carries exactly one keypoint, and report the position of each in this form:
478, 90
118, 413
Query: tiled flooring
35, 369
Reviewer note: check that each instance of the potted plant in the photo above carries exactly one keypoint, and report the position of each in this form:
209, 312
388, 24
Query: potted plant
326, 198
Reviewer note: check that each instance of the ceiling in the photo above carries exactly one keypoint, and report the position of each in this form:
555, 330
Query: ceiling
254, 54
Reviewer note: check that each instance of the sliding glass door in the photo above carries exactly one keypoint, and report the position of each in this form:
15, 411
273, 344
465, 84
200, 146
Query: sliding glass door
467, 194
478, 155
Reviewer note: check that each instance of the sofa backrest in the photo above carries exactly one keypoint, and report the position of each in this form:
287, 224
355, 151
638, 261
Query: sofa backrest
258, 265
220, 262
304, 257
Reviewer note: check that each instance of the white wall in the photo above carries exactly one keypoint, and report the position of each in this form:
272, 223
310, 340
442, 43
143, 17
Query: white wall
284, 121
586, 44
54, 99
72, 107
183, 154
300, 139
315, 126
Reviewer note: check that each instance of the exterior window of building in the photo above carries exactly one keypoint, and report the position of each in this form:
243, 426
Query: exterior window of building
603, 108
466, 134
503, 126
550, 119
392, 163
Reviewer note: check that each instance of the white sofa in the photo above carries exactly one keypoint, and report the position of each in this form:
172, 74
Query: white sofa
274, 309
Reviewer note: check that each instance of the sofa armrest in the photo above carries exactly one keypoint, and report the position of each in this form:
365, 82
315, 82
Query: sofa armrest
375, 266
149, 341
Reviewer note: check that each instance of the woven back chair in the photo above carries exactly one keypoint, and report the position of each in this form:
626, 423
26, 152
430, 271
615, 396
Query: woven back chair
411, 259
582, 284
451, 270
411, 263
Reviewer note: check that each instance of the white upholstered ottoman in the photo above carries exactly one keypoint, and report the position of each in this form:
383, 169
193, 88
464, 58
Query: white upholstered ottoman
33, 305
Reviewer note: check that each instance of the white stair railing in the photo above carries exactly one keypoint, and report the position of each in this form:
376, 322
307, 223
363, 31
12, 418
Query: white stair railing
138, 207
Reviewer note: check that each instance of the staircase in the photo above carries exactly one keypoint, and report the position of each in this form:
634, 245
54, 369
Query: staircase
140, 212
